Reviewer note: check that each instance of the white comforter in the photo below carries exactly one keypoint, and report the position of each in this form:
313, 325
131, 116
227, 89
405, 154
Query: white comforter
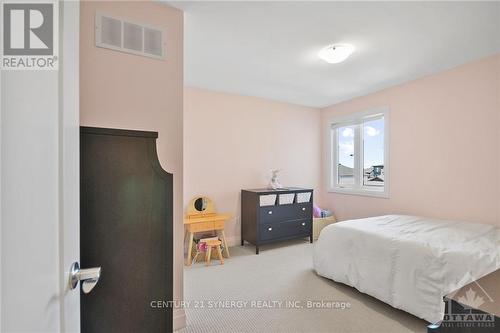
408, 262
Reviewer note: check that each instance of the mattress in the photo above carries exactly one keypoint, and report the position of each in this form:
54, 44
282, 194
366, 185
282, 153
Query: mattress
408, 262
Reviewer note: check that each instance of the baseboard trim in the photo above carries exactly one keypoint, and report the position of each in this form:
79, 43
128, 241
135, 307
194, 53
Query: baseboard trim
179, 319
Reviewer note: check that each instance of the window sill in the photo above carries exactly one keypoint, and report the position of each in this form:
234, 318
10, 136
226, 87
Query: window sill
361, 192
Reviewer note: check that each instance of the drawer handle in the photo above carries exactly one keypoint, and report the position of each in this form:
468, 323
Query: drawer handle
303, 223
270, 229
270, 212
304, 209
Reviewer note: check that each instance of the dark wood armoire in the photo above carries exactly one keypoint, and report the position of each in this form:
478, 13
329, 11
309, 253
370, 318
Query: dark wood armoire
126, 229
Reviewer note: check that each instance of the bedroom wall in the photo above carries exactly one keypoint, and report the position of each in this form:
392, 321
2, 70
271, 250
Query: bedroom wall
444, 146
231, 142
126, 91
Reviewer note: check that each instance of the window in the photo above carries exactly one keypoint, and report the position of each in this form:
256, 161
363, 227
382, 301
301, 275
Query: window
359, 152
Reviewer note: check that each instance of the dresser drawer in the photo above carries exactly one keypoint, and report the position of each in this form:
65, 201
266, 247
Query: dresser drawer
285, 229
304, 211
273, 214
205, 226
269, 231
296, 227
282, 213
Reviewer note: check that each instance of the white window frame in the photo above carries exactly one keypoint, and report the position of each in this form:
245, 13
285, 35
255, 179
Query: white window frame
332, 159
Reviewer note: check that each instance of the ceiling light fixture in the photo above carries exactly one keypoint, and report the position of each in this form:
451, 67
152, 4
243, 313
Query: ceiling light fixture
333, 54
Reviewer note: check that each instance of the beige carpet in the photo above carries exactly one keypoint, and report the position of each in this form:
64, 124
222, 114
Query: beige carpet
281, 272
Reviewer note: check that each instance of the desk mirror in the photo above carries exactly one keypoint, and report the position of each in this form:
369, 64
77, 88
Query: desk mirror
200, 206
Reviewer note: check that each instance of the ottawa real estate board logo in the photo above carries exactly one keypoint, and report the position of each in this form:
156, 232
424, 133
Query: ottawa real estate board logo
29, 35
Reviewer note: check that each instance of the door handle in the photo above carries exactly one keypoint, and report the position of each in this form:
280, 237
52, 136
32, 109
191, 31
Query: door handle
88, 277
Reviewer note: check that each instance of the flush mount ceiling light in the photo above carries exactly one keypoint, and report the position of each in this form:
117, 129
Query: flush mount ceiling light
333, 54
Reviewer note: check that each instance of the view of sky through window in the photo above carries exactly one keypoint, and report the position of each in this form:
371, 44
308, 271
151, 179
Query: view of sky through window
373, 143
372, 158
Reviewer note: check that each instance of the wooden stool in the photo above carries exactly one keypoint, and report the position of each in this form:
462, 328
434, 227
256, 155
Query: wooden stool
216, 244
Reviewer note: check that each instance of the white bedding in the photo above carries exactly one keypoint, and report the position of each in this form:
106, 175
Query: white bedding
406, 261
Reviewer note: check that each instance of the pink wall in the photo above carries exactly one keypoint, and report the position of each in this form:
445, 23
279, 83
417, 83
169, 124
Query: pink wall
126, 91
444, 146
231, 142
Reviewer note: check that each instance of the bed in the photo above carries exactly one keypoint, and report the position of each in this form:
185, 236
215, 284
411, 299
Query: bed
408, 262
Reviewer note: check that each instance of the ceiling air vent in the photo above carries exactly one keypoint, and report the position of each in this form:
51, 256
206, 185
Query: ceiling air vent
130, 37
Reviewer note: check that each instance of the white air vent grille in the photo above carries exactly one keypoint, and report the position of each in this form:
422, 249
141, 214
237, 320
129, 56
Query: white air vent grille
121, 35
132, 36
153, 41
111, 31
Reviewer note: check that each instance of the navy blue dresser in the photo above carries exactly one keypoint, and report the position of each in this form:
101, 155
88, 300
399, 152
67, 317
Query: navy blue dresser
269, 216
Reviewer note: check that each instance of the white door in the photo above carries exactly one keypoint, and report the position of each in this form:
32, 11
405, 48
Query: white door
39, 190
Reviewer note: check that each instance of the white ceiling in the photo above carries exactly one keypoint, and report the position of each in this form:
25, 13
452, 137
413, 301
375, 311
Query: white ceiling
269, 49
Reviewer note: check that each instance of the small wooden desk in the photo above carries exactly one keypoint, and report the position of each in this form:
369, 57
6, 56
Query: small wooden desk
202, 223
